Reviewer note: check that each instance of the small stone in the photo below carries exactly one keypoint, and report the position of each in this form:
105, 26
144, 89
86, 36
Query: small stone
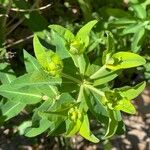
138, 133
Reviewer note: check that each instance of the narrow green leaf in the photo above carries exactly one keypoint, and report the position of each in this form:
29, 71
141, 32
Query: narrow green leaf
140, 11
121, 128
56, 124
29, 90
105, 79
124, 21
49, 60
24, 125
125, 106
94, 103
110, 46
56, 119
30, 62
85, 131
65, 102
43, 126
132, 92
11, 109
123, 60
104, 75
112, 125
80, 62
60, 43
40, 52
85, 30
63, 32
23, 95
6, 73
83, 33
133, 28
37, 78
42, 108
118, 13
137, 40
72, 127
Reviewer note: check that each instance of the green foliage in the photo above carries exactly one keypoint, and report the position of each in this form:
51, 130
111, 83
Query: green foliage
48, 59
64, 87
70, 83
123, 60
136, 25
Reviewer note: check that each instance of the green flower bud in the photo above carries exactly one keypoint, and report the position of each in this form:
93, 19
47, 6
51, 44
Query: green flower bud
52, 66
74, 114
76, 47
55, 65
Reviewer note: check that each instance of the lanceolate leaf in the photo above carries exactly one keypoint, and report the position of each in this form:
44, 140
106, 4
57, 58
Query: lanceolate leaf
123, 60
85, 131
60, 44
124, 21
95, 105
42, 108
106, 79
133, 28
23, 95
43, 125
30, 62
83, 33
6, 73
125, 106
40, 52
137, 40
132, 92
80, 62
112, 125
110, 46
63, 32
72, 127
118, 13
56, 119
36, 78
86, 9
78, 45
11, 109
27, 89
49, 60
104, 75
140, 11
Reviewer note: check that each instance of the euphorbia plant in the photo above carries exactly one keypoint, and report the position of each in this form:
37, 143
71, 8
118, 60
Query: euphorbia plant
66, 89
